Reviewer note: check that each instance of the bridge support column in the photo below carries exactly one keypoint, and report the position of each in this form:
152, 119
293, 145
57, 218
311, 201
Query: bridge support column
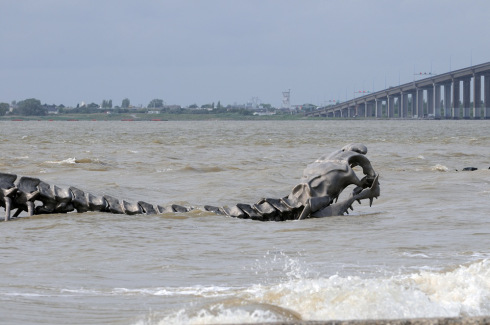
404, 105
390, 106
401, 105
379, 104
420, 103
430, 102
361, 110
398, 105
486, 87
466, 97
437, 101
447, 101
413, 107
455, 100
415, 103
476, 96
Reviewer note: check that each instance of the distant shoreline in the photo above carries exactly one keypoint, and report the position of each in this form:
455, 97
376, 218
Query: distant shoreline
135, 117
153, 117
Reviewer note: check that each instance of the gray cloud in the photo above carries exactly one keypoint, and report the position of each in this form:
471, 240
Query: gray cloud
66, 51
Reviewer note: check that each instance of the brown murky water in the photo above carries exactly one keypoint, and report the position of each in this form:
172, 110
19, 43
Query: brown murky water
421, 250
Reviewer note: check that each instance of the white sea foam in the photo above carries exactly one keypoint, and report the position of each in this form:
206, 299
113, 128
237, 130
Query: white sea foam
415, 255
198, 291
218, 314
23, 294
65, 161
464, 291
440, 168
164, 170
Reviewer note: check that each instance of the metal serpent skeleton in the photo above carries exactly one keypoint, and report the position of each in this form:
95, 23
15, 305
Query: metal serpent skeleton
315, 196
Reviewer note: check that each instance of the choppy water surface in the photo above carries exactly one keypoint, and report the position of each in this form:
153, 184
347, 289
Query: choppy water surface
421, 250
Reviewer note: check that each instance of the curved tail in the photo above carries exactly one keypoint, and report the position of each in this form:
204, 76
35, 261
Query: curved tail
22, 194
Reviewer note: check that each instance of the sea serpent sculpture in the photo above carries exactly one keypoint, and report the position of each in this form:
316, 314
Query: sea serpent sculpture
316, 196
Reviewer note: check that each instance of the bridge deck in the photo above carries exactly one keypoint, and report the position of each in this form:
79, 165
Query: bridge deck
422, 98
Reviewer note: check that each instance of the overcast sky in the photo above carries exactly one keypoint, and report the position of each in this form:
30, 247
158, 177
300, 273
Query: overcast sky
204, 51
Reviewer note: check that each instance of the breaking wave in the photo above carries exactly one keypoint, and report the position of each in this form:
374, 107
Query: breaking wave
76, 161
464, 291
440, 168
64, 161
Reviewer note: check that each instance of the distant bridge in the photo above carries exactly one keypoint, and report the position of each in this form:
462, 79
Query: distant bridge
422, 98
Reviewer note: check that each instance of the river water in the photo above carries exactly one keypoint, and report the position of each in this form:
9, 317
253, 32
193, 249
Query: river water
421, 250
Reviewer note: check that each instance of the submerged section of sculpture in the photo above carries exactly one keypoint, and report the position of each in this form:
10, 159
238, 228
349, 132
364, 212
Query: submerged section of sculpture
316, 196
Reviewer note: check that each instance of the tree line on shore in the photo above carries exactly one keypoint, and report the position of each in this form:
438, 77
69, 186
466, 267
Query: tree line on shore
34, 107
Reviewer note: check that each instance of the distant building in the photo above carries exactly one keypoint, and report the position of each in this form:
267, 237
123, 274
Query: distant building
307, 107
263, 112
51, 109
286, 99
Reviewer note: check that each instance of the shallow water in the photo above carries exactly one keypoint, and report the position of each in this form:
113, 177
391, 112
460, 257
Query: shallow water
421, 250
